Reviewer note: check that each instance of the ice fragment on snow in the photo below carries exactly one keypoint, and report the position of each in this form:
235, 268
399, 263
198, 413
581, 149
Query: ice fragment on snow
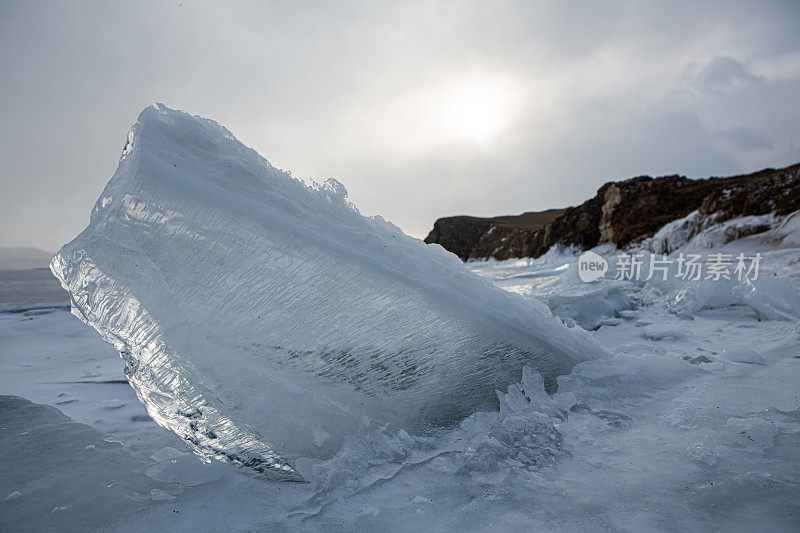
262, 319
743, 355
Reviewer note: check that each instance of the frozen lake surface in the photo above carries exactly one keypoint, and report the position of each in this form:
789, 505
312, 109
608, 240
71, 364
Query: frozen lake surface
672, 432
269, 324
22, 290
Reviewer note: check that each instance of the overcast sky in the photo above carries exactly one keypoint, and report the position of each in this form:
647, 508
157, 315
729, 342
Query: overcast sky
421, 109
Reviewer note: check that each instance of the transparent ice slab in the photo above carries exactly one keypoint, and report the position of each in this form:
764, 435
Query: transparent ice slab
264, 320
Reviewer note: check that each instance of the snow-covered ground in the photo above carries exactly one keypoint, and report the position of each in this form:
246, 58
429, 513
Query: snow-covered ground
692, 424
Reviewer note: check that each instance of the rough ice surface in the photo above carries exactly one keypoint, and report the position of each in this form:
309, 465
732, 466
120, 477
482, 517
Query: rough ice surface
696, 430
264, 320
696, 232
553, 277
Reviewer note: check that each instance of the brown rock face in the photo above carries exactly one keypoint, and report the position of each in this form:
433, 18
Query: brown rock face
459, 234
479, 237
767, 191
621, 213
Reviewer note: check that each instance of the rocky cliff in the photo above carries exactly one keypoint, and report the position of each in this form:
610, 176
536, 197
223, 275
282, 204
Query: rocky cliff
502, 237
620, 213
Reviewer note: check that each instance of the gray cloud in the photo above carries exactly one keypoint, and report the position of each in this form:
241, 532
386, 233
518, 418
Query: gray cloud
725, 73
587, 92
744, 139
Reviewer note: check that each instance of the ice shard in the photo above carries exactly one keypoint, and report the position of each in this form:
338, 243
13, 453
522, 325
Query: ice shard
264, 320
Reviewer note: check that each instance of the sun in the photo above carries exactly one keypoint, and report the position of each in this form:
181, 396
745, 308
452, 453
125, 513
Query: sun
475, 110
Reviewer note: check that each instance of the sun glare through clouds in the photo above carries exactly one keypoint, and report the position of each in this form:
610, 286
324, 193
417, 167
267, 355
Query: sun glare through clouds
476, 110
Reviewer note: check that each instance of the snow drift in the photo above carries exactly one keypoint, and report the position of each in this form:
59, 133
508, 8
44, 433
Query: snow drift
263, 320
